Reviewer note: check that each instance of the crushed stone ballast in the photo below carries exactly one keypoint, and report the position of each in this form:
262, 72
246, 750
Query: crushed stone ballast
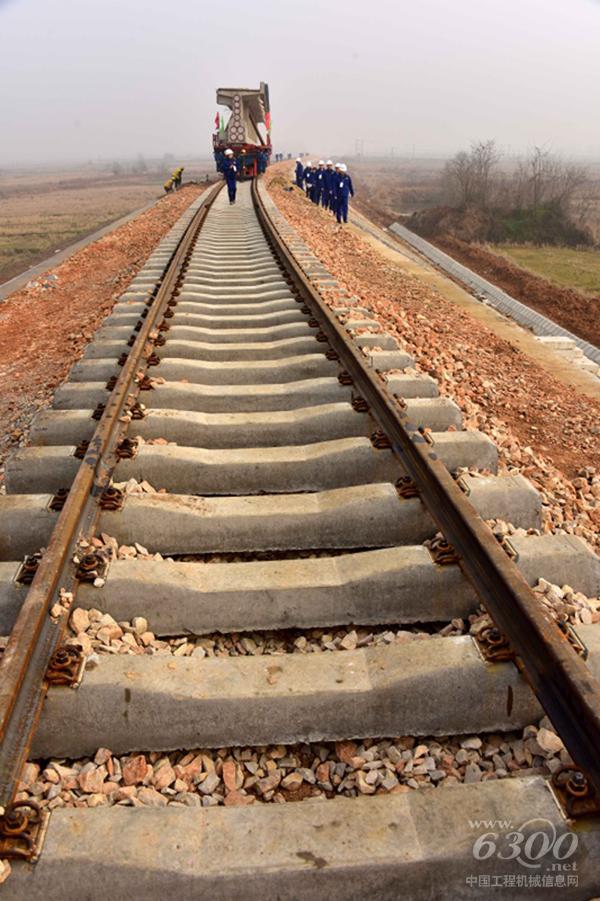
261, 460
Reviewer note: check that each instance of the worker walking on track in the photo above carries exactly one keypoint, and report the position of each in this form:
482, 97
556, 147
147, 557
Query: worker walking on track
230, 174
333, 194
299, 173
309, 179
261, 162
319, 183
328, 177
345, 190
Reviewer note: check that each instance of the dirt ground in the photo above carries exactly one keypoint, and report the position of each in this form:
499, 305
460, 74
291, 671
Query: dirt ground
44, 329
45, 210
543, 428
42, 211
387, 190
575, 311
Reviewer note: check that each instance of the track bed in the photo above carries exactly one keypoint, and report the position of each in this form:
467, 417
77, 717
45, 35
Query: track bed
270, 615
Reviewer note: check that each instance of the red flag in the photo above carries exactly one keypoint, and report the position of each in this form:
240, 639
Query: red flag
217, 121
268, 121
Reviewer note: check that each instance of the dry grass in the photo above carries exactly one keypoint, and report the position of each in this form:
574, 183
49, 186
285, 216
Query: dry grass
389, 188
41, 214
565, 266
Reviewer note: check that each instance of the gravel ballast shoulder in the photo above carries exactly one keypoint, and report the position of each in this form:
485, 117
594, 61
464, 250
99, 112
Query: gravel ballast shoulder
45, 326
543, 429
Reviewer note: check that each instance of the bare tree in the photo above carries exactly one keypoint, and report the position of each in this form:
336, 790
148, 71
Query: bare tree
468, 178
457, 180
485, 159
584, 206
546, 180
537, 199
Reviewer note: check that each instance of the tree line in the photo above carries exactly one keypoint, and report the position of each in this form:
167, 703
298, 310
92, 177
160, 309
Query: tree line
533, 198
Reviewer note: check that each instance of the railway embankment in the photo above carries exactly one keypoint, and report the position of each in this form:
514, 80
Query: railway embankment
543, 427
46, 325
225, 535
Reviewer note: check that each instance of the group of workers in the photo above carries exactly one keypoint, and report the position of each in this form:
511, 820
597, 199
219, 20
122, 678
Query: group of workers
327, 185
174, 182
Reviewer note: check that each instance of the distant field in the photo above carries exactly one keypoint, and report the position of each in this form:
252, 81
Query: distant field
45, 211
34, 225
564, 266
386, 189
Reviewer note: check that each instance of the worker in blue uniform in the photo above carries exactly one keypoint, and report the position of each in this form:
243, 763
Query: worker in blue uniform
345, 190
319, 183
230, 174
309, 179
333, 194
299, 173
327, 184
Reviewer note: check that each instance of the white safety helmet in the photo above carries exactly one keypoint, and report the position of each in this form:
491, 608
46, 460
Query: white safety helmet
343, 167
329, 163
228, 152
338, 166
321, 162
308, 163
298, 159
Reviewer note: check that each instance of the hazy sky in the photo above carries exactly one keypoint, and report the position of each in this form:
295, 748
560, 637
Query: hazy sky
87, 78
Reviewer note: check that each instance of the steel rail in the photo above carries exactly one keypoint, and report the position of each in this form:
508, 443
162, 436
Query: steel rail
561, 680
35, 635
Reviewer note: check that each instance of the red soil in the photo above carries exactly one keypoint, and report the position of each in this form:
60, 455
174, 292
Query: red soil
44, 330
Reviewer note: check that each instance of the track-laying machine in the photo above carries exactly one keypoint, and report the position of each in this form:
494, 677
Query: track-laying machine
242, 133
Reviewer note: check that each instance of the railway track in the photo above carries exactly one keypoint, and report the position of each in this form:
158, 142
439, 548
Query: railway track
233, 456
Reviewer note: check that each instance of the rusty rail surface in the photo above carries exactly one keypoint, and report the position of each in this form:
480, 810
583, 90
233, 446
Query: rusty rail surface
562, 682
36, 636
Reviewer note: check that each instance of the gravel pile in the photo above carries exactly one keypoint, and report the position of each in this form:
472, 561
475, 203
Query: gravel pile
97, 633
278, 774
561, 601
567, 605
